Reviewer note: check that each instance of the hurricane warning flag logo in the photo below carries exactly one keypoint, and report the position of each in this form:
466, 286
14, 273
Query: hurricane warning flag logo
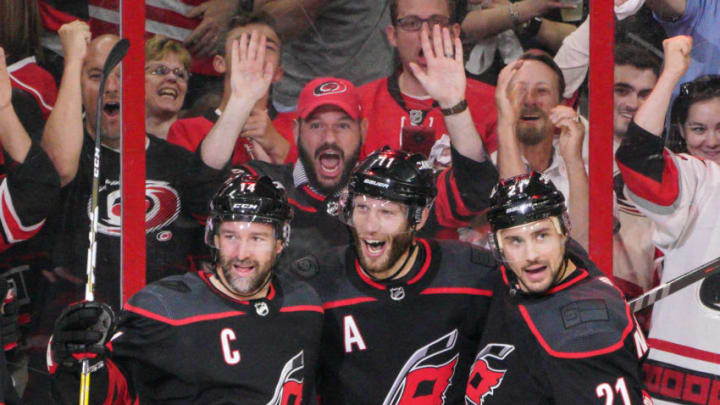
426, 376
289, 388
484, 379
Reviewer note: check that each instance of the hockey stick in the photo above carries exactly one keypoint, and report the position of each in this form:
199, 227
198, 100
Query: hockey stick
117, 53
674, 285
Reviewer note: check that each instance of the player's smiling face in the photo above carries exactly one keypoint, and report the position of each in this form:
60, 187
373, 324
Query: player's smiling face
535, 254
247, 251
382, 234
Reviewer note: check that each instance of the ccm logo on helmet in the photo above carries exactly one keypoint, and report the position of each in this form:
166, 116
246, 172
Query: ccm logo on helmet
245, 206
328, 88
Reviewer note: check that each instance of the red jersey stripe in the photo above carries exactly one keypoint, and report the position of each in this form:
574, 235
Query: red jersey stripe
347, 302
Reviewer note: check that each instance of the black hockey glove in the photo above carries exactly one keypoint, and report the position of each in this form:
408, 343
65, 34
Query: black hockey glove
9, 316
81, 332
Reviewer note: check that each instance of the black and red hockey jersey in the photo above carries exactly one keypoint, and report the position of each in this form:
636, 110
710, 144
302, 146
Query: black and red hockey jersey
181, 341
315, 230
576, 344
389, 112
28, 191
406, 341
27, 75
178, 188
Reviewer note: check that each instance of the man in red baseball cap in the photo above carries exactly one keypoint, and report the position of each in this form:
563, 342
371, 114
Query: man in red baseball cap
329, 131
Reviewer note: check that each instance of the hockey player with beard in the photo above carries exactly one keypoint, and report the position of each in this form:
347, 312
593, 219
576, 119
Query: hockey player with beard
558, 331
403, 314
331, 129
240, 334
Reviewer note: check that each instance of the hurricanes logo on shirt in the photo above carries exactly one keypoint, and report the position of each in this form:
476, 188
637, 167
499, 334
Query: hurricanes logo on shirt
288, 390
484, 379
162, 207
426, 376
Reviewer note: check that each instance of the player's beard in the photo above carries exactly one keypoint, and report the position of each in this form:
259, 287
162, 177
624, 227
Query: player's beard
245, 285
309, 165
399, 244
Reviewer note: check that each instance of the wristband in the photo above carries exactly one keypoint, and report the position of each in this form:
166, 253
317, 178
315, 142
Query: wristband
456, 109
530, 29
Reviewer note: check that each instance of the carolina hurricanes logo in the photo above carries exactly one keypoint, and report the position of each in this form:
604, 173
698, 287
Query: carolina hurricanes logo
484, 379
424, 381
288, 390
162, 207
328, 88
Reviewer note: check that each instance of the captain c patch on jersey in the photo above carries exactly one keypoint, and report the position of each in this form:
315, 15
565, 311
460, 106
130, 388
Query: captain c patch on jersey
426, 375
483, 378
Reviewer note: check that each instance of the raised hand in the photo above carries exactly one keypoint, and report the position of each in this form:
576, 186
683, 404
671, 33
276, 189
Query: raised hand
75, 37
572, 132
677, 55
444, 78
509, 95
250, 74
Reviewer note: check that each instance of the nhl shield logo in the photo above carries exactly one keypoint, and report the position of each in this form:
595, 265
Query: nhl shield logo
416, 117
262, 308
397, 293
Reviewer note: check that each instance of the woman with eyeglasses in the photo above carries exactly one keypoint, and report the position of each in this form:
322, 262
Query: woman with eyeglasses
680, 193
167, 65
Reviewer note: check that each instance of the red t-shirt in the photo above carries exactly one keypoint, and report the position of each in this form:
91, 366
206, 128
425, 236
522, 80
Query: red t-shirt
189, 133
387, 117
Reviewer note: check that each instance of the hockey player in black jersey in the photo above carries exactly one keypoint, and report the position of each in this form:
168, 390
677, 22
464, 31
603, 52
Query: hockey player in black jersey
330, 131
241, 335
558, 332
403, 314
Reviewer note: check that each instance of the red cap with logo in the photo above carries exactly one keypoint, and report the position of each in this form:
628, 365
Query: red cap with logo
329, 91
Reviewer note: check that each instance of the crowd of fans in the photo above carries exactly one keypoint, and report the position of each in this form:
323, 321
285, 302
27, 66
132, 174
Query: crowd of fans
300, 91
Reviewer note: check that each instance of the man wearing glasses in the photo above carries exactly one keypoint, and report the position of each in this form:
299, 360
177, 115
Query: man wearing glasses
400, 112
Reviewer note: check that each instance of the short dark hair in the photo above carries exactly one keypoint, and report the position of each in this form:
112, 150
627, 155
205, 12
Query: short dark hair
627, 54
394, 10
242, 20
545, 58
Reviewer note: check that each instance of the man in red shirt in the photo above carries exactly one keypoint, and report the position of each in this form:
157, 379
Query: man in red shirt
399, 109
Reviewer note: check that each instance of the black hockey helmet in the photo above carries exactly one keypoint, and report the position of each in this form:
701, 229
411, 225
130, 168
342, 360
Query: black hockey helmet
396, 176
245, 197
526, 198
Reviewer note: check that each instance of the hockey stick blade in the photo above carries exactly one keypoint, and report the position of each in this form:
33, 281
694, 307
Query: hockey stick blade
675, 285
117, 53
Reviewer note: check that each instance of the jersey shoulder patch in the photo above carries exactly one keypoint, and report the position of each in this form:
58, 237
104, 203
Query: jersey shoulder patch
585, 320
172, 298
463, 265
